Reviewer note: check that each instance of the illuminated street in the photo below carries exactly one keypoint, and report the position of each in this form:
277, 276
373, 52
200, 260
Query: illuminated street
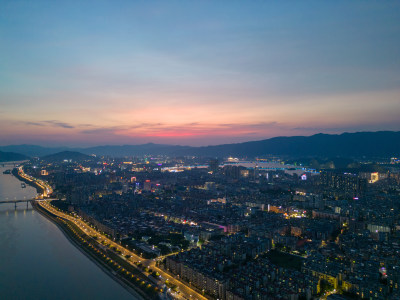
186, 291
47, 189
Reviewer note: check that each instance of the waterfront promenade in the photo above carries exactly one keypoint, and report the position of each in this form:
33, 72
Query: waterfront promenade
42, 186
40, 261
185, 291
101, 244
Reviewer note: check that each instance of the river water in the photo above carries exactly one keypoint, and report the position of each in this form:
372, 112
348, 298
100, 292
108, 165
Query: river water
36, 259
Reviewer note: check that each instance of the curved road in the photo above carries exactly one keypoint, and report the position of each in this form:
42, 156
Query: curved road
186, 292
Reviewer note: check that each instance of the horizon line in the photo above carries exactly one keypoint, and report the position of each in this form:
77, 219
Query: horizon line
180, 145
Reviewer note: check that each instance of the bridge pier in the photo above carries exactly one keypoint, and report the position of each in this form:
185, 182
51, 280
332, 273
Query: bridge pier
15, 205
26, 204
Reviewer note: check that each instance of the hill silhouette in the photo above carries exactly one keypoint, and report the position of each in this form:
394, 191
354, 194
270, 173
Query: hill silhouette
359, 144
11, 156
67, 155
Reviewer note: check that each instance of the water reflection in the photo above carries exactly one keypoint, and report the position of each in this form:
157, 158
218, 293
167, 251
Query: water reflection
37, 261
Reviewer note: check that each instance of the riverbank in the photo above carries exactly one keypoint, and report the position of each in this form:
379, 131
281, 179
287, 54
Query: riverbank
34, 184
132, 283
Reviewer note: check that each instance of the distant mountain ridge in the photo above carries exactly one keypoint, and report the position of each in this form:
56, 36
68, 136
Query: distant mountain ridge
11, 156
129, 150
67, 155
369, 144
33, 150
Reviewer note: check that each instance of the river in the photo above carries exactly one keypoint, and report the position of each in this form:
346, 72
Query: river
38, 262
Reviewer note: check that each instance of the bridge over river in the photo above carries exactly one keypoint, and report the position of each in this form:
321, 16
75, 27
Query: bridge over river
15, 201
11, 163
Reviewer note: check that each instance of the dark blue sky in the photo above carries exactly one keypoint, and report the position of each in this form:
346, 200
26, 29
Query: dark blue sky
192, 72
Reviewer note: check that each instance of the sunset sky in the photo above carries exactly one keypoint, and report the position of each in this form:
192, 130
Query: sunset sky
82, 73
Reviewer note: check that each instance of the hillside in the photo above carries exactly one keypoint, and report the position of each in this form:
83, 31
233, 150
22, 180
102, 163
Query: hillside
368, 144
133, 150
33, 150
11, 156
67, 155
